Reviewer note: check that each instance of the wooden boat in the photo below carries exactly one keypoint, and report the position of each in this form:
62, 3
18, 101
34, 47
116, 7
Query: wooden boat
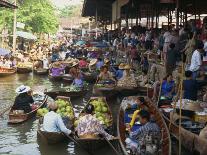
166, 141
93, 143
71, 94
106, 90
189, 140
129, 91
67, 78
55, 78
41, 71
90, 77
24, 70
54, 137
7, 71
17, 118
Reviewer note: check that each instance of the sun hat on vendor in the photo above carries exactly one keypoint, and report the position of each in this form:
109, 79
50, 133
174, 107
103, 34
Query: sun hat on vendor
127, 67
52, 106
22, 89
74, 64
93, 62
56, 65
106, 61
121, 66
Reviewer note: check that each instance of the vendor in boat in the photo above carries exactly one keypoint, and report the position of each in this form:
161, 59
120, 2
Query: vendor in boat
143, 79
57, 69
52, 122
23, 99
105, 75
83, 63
190, 87
89, 126
168, 87
78, 82
99, 64
119, 73
138, 138
128, 79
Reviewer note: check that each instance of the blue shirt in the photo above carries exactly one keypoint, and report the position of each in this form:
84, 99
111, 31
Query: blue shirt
167, 87
119, 74
99, 65
78, 82
53, 122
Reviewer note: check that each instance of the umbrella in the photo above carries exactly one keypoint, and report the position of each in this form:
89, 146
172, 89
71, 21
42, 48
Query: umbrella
80, 43
26, 35
4, 52
101, 45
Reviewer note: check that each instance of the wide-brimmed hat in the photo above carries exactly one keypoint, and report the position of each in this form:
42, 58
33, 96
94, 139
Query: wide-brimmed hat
127, 67
93, 62
22, 89
56, 65
52, 106
106, 61
75, 63
121, 66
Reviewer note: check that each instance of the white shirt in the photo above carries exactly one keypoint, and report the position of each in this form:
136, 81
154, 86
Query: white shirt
53, 122
195, 61
45, 64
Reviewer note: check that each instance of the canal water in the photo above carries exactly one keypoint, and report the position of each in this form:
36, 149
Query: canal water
22, 139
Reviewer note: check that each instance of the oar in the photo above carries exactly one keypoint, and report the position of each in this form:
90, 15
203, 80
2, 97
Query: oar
78, 144
111, 145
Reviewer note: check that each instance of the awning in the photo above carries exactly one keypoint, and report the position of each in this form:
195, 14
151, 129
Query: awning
26, 35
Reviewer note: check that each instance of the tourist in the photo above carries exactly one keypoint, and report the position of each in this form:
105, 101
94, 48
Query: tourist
148, 128
196, 61
171, 59
128, 79
89, 126
52, 122
190, 87
23, 99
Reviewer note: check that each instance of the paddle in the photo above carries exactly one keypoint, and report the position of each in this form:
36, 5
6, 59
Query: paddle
78, 144
111, 145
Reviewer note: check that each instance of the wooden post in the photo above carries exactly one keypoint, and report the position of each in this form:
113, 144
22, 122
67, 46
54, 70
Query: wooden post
15, 28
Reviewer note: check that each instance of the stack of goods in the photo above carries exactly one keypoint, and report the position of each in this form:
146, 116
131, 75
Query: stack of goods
127, 82
24, 65
73, 88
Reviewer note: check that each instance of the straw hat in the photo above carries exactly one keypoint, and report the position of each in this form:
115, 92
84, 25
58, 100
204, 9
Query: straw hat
106, 61
52, 106
75, 63
22, 89
93, 62
121, 66
56, 65
127, 67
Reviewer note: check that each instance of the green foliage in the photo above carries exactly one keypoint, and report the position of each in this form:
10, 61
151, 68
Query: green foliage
70, 11
37, 15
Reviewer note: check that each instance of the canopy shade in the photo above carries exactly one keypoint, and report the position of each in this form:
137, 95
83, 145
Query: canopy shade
4, 52
26, 35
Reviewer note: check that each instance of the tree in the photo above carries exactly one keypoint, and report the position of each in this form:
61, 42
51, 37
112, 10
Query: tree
37, 15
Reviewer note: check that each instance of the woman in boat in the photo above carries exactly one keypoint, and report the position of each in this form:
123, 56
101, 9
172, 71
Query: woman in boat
138, 138
99, 63
23, 99
143, 79
92, 65
78, 82
52, 122
128, 79
89, 126
83, 63
105, 75
57, 69
190, 87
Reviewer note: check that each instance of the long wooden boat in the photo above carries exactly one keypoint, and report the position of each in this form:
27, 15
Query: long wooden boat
17, 118
54, 137
94, 143
55, 78
166, 141
67, 78
7, 71
129, 91
189, 140
90, 77
41, 71
106, 91
24, 70
71, 94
